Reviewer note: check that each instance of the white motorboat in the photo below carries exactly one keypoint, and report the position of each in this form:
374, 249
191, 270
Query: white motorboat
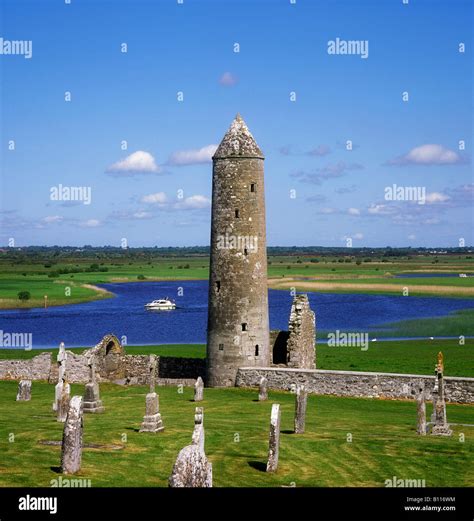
161, 304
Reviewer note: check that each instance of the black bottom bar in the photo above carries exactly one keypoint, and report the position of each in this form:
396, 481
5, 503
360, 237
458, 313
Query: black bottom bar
135, 504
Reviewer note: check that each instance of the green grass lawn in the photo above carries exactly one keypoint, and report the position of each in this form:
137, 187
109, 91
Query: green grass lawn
455, 324
384, 443
179, 350
398, 356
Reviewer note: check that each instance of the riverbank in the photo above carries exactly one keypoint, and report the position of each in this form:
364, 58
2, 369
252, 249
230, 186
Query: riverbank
59, 293
406, 287
75, 280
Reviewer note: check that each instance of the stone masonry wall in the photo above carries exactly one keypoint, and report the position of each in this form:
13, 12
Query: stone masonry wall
302, 330
135, 369
37, 368
357, 384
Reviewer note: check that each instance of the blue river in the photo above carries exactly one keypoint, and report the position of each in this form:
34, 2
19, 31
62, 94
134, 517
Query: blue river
85, 324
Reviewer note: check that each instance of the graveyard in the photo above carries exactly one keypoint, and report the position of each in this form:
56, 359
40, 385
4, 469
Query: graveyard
266, 413
348, 442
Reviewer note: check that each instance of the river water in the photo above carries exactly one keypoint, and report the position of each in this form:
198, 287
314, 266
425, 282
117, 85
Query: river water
85, 324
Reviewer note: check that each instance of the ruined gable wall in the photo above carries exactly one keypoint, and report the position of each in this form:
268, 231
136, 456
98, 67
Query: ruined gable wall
302, 335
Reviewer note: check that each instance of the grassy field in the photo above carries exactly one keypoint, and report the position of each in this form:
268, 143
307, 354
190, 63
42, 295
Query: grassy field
73, 281
407, 356
179, 350
404, 356
384, 443
455, 324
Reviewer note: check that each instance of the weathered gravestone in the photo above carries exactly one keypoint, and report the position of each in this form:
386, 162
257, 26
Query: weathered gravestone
421, 411
192, 469
301, 400
274, 438
58, 390
62, 407
24, 391
198, 433
263, 389
71, 453
92, 402
199, 390
440, 424
152, 421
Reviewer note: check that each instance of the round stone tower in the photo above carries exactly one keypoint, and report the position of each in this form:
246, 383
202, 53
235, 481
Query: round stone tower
237, 331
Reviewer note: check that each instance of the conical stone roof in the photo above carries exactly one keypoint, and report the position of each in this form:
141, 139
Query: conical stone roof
238, 142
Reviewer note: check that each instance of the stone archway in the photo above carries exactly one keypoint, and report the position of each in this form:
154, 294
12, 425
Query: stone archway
280, 348
109, 358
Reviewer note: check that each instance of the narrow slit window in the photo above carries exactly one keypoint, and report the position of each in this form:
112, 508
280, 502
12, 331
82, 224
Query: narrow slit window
246, 252
252, 187
221, 347
218, 285
244, 326
256, 350
237, 213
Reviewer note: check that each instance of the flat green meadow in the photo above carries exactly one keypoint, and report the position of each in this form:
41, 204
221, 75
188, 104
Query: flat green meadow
397, 356
348, 442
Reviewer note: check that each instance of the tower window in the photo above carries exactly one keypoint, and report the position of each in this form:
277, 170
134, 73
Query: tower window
246, 252
244, 326
221, 347
218, 285
237, 213
252, 187
256, 350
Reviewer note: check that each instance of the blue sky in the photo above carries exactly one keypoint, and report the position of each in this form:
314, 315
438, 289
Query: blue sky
157, 191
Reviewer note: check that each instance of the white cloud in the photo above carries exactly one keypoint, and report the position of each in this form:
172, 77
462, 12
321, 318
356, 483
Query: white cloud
228, 79
320, 150
432, 220
156, 198
428, 155
353, 211
193, 202
358, 235
139, 162
52, 219
142, 215
90, 223
436, 197
380, 209
412, 237
193, 156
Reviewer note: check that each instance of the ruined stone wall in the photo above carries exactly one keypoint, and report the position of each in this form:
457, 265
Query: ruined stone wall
77, 370
302, 338
356, 384
133, 369
37, 368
